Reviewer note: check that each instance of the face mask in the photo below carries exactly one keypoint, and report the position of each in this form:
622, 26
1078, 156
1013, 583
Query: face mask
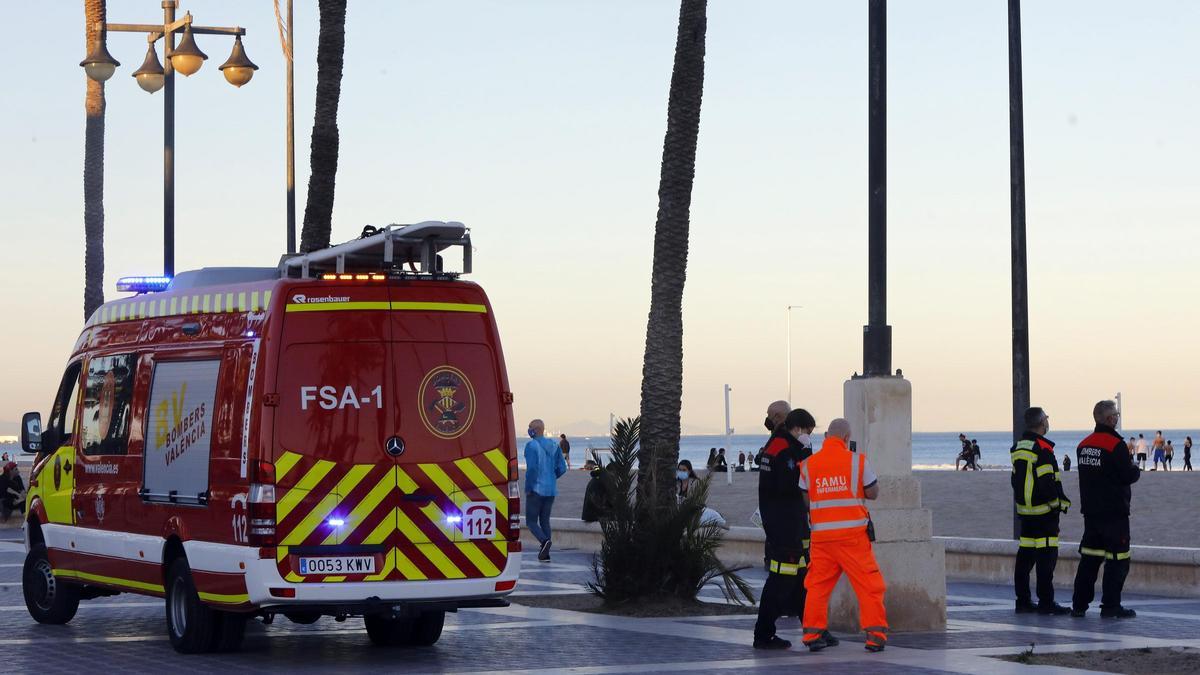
805, 440
681, 475
768, 425
531, 434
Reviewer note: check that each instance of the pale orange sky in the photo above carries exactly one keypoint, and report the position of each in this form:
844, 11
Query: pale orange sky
540, 125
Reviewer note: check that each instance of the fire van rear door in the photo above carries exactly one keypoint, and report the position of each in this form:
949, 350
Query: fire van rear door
453, 515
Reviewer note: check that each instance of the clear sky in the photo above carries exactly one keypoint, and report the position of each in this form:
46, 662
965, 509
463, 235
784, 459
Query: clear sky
540, 125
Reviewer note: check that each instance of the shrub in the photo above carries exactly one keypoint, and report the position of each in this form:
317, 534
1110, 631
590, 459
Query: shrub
653, 549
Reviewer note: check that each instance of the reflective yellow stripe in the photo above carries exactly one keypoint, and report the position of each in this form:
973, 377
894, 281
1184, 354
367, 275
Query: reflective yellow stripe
471, 471
1098, 552
234, 599
335, 306
394, 306
786, 569
439, 307
1052, 542
1029, 484
430, 551
1044, 470
285, 464
293, 496
366, 506
315, 517
1118, 556
407, 567
443, 482
389, 564
1023, 455
382, 530
1028, 542
114, 581
1038, 510
498, 460
467, 548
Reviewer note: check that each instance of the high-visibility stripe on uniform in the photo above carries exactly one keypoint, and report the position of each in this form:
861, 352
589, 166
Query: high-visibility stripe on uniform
839, 525
785, 568
833, 503
1039, 542
1098, 552
1044, 470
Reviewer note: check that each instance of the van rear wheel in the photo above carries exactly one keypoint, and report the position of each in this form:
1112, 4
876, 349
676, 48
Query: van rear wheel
387, 631
428, 628
190, 623
48, 599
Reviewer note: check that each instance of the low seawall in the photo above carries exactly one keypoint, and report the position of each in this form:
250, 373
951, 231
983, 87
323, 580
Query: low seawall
1160, 570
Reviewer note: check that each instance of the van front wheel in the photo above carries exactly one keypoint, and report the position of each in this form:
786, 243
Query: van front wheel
190, 623
48, 599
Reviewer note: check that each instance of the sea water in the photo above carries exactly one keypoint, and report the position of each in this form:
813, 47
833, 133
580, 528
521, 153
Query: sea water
930, 450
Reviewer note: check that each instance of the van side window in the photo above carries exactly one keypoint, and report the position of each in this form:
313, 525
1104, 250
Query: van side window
107, 404
62, 415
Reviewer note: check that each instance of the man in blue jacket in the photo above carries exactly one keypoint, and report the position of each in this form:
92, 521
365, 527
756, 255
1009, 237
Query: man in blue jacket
543, 465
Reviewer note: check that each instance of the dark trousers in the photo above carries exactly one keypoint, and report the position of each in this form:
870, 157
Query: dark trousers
1038, 550
782, 595
1105, 541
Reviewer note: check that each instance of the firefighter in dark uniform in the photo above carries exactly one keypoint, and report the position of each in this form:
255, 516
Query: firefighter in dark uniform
1038, 493
1105, 474
785, 520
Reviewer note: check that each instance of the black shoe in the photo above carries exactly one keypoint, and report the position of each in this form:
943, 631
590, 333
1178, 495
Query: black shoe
1117, 612
874, 646
817, 645
544, 552
1025, 607
830, 639
1053, 609
1078, 613
775, 642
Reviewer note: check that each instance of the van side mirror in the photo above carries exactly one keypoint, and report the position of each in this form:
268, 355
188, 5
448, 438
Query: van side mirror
31, 432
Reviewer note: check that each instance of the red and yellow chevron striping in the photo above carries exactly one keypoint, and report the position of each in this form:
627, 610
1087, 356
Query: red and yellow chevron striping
401, 513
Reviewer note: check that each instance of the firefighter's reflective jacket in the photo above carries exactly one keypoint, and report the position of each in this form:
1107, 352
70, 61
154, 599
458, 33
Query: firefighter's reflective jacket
1036, 481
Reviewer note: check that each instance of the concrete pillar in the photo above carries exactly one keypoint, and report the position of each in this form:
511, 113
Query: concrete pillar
879, 410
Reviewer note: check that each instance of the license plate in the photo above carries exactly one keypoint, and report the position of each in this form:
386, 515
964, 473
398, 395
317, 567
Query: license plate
358, 564
479, 520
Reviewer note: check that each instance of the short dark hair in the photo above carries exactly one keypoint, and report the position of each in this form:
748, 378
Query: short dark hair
1033, 417
799, 419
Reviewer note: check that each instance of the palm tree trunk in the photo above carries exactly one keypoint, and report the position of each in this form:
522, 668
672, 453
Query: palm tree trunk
331, 47
662, 369
93, 173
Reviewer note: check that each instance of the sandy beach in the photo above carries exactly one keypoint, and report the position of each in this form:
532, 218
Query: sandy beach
1166, 505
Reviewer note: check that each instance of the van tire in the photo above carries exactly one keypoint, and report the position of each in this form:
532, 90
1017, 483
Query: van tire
49, 599
386, 631
229, 632
303, 618
428, 628
190, 623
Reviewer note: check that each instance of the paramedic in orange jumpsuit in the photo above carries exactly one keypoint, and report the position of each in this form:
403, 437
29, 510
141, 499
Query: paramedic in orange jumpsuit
835, 481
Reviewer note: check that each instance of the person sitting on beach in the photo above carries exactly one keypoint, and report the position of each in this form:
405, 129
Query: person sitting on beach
685, 478
721, 466
741, 465
712, 459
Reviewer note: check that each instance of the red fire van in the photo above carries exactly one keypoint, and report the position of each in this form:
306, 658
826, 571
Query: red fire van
332, 436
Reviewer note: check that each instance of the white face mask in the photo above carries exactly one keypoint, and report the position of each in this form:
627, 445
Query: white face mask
805, 440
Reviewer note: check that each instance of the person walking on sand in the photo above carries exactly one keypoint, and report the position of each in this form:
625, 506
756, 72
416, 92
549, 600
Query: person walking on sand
1187, 454
964, 455
976, 455
544, 465
1105, 477
565, 446
1038, 493
837, 482
785, 522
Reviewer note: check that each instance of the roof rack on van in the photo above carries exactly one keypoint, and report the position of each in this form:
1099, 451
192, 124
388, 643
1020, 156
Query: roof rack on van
386, 248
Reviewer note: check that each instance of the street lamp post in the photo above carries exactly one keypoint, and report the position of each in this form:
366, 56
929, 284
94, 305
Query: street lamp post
152, 76
789, 349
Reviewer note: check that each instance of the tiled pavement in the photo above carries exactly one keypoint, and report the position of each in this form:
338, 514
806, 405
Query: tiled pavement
128, 632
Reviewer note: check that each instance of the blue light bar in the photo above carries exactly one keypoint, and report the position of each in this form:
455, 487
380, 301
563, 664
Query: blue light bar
142, 284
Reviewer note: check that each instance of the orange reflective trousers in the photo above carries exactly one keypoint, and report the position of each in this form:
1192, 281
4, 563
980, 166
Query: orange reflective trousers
852, 555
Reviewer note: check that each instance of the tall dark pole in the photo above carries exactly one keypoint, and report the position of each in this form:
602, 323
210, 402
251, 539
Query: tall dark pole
291, 140
168, 143
877, 335
1016, 163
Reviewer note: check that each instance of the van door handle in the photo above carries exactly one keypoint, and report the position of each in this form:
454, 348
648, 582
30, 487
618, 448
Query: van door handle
417, 497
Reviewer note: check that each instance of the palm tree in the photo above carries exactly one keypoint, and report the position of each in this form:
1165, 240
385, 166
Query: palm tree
662, 368
93, 172
331, 47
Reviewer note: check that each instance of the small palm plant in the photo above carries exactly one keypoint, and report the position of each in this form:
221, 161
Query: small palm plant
655, 549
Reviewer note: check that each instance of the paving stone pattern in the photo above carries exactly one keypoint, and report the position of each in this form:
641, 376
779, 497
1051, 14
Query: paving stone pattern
128, 631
